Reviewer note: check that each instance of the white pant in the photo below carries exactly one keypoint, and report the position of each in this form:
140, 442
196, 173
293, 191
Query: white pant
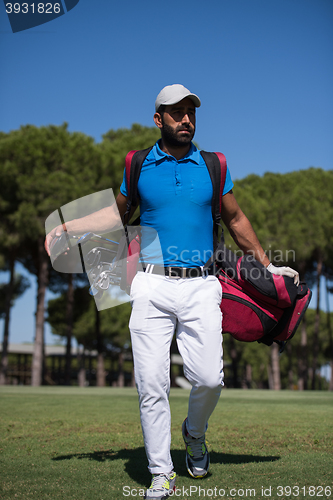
192, 307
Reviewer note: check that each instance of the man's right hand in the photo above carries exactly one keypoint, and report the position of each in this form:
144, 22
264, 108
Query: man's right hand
55, 233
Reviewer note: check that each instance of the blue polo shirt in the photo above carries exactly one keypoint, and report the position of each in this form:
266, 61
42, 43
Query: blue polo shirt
176, 202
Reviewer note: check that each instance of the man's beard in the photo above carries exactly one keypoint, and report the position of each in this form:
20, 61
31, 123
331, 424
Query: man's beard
170, 136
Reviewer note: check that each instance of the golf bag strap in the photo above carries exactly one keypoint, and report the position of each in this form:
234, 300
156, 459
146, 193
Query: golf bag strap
217, 168
133, 165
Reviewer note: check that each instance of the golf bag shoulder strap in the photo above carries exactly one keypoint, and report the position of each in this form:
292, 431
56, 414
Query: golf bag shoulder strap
216, 164
133, 165
217, 167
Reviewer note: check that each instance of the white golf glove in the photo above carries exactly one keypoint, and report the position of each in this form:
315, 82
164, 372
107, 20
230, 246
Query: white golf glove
284, 271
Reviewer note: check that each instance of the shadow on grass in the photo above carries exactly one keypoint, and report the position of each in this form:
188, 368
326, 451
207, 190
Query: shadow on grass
136, 461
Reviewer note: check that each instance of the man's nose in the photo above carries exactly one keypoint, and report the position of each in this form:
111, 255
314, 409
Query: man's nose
186, 118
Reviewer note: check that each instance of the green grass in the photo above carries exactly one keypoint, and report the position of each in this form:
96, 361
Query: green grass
86, 444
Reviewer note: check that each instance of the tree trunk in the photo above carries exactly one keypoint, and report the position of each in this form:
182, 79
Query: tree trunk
42, 280
121, 377
100, 382
276, 378
69, 322
302, 359
81, 377
270, 377
330, 336
100, 375
330, 387
315, 347
9, 297
247, 379
133, 384
302, 349
289, 351
234, 362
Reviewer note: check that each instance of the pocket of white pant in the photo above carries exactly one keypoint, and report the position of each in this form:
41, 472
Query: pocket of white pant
212, 281
134, 286
219, 291
218, 288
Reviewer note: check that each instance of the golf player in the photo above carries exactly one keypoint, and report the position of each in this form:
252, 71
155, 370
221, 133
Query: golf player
175, 197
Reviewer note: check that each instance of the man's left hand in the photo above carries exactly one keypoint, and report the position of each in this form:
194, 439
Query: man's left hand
284, 271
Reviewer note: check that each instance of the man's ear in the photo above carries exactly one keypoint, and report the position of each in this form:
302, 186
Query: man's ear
158, 120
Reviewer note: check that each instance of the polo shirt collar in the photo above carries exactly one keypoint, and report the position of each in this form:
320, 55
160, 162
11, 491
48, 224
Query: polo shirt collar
193, 154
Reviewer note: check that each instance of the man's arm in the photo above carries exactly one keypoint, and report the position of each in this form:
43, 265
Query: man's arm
243, 234
99, 222
241, 229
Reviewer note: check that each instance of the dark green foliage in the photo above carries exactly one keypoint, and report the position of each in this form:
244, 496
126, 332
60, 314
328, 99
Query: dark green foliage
117, 143
292, 214
42, 169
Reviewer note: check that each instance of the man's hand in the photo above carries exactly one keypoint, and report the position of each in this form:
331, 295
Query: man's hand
55, 233
284, 271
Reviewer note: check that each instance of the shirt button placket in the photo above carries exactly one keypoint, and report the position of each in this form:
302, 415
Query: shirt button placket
178, 179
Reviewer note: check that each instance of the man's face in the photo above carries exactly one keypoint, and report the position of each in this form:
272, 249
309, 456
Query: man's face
177, 123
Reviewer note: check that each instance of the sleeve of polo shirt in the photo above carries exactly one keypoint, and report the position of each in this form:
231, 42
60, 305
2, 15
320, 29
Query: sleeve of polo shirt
123, 187
228, 185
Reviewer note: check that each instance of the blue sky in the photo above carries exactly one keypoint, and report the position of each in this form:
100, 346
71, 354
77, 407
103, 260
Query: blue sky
262, 68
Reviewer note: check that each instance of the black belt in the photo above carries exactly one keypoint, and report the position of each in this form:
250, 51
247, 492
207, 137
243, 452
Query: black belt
178, 272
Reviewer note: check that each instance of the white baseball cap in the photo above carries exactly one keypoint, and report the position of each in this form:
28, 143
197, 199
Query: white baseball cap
171, 94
